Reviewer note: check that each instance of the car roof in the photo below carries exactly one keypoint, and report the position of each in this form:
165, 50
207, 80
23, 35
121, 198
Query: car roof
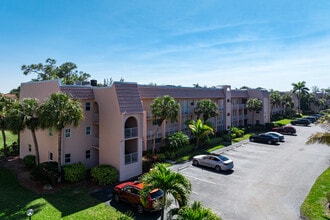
136, 184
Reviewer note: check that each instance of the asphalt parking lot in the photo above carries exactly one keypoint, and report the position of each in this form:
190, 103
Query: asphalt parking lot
268, 181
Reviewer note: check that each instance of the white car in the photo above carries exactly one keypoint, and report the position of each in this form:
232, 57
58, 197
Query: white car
278, 135
216, 161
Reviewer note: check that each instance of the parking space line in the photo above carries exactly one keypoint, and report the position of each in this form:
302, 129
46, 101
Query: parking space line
200, 179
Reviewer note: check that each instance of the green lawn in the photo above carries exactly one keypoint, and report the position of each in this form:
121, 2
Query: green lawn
69, 203
314, 205
10, 138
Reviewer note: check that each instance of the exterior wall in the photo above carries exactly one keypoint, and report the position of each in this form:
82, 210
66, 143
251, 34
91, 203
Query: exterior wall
47, 144
111, 132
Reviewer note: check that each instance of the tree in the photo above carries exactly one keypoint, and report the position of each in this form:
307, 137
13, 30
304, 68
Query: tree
321, 137
15, 120
300, 89
58, 112
254, 105
177, 140
163, 108
200, 130
197, 212
5, 105
172, 183
275, 98
67, 72
29, 112
286, 102
207, 108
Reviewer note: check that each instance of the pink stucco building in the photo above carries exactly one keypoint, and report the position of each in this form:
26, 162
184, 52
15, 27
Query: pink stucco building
118, 125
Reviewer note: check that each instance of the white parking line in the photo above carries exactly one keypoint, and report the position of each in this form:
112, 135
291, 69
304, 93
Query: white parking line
199, 179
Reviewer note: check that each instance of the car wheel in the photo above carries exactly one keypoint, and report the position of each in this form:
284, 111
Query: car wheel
217, 168
269, 142
195, 163
252, 139
116, 197
139, 208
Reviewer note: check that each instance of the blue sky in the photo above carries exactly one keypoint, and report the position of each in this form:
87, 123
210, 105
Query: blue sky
256, 43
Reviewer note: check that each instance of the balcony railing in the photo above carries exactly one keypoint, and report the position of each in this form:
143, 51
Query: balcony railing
131, 132
131, 158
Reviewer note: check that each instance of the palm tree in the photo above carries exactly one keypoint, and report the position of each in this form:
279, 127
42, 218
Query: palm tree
5, 105
29, 110
15, 120
177, 140
197, 212
275, 99
286, 101
58, 112
300, 89
200, 130
254, 105
172, 183
207, 108
321, 137
163, 108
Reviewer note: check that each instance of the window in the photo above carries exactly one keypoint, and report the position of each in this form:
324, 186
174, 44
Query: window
88, 130
67, 158
88, 154
50, 156
88, 106
30, 148
67, 133
50, 132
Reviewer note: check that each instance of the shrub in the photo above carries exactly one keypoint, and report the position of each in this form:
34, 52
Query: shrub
30, 161
74, 172
104, 174
46, 172
160, 157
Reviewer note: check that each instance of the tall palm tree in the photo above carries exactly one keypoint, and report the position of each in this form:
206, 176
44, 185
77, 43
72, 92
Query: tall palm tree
286, 101
29, 111
58, 112
15, 120
200, 130
254, 105
300, 89
5, 105
197, 212
172, 183
275, 99
207, 108
163, 108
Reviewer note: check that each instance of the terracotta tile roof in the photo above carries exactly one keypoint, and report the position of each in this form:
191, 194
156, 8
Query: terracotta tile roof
78, 92
180, 92
128, 97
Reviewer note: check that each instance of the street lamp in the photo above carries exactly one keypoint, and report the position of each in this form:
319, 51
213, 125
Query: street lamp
29, 213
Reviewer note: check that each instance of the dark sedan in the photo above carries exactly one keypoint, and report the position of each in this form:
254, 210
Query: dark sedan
264, 138
300, 121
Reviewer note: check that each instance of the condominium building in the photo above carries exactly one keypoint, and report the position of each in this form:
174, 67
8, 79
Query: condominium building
118, 124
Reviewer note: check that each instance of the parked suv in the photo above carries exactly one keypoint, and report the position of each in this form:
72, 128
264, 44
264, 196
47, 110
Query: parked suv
285, 130
129, 192
301, 121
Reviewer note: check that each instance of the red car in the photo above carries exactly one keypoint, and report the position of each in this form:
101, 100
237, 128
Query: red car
129, 192
285, 130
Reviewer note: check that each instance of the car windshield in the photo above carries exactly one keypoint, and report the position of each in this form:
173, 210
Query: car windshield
223, 158
156, 194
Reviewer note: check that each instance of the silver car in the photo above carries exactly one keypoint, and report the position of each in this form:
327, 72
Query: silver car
216, 161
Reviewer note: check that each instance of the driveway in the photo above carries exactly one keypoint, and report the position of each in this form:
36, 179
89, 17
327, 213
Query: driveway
268, 181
